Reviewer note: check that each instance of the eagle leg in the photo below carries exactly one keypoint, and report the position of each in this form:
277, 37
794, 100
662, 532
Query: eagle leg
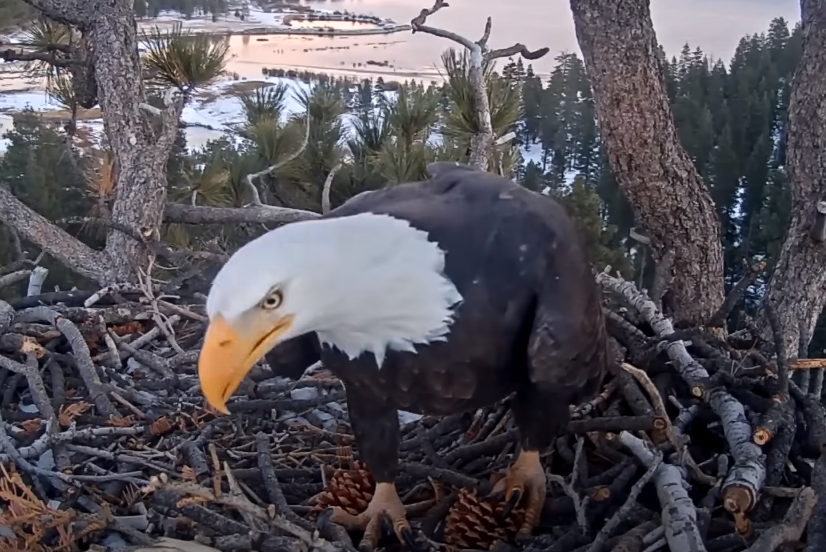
541, 414
376, 431
385, 502
525, 483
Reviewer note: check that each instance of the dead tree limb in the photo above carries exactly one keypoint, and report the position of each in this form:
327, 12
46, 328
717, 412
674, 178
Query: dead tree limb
250, 179
325, 192
483, 143
744, 482
679, 516
51, 58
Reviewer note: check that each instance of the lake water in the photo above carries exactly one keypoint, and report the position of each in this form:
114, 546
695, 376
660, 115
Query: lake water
714, 25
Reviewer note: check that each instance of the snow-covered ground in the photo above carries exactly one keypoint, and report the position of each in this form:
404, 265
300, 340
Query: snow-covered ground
209, 114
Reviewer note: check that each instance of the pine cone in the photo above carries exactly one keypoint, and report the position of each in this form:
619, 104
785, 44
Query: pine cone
350, 489
473, 522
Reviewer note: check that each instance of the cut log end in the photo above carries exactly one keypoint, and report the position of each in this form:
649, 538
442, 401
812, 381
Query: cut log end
762, 436
738, 500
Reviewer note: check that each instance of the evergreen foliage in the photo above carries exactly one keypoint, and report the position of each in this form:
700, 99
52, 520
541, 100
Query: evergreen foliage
730, 118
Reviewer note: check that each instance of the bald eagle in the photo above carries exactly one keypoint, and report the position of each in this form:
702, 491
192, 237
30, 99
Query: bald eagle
433, 297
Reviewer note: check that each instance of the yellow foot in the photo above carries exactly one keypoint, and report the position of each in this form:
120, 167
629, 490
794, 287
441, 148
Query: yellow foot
385, 501
525, 482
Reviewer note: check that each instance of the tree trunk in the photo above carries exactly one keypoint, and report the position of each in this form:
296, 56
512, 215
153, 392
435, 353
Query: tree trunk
797, 289
140, 156
668, 196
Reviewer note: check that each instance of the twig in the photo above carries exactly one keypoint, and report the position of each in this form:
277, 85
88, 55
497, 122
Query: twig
580, 504
325, 192
622, 514
250, 179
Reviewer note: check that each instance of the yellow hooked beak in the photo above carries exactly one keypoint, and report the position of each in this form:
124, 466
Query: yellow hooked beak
228, 355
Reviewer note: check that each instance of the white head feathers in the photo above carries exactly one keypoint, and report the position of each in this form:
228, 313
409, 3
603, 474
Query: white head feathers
366, 282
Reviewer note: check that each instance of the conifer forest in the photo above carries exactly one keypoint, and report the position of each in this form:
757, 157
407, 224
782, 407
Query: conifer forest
697, 185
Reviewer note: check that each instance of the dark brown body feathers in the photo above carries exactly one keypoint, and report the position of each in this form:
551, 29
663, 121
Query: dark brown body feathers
531, 321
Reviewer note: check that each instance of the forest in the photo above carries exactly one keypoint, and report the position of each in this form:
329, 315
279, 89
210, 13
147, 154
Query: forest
730, 116
695, 183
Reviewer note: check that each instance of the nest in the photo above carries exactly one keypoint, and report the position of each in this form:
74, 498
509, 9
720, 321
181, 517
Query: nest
104, 438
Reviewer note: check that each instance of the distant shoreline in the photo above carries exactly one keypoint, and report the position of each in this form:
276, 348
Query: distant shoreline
230, 25
259, 31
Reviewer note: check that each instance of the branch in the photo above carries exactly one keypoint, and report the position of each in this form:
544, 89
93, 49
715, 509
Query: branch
255, 214
52, 239
418, 24
518, 48
256, 198
483, 142
746, 478
718, 319
47, 57
679, 516
793, 525
325, 192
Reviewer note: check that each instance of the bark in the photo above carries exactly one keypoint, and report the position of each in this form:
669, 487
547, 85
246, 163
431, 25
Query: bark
668, 196
140, 156
257, 214
52, 239
797, 289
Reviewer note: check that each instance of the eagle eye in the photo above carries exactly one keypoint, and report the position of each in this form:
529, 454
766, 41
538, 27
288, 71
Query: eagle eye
273, 300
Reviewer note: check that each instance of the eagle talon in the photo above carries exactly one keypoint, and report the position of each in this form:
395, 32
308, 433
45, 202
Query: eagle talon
513, 501
524, 483
385, 504
408, 539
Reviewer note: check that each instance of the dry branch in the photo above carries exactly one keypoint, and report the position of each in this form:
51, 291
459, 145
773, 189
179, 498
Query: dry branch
325, 191
483, 143
745, 480
250, 179
679, 515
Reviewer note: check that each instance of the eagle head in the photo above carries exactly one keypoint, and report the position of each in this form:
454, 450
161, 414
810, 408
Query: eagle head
362, 283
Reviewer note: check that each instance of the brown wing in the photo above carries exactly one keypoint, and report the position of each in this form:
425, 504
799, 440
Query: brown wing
568, 347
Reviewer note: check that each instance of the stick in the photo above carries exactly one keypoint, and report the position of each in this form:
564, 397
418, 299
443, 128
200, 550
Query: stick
679, 516
745, 479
